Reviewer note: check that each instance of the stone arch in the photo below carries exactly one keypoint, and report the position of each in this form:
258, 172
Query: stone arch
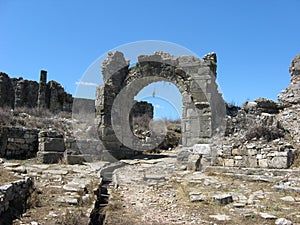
195, 79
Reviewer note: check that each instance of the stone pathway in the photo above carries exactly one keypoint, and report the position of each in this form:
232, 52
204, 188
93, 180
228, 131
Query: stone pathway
64, 194
155, 191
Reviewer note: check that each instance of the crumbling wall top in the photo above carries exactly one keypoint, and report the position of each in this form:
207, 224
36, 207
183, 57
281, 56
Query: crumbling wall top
295, 66
114, 62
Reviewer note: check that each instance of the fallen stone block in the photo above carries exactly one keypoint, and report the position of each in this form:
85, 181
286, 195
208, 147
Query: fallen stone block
283, 221
197, 197
220, 217
202, 149
223, 199
267, 216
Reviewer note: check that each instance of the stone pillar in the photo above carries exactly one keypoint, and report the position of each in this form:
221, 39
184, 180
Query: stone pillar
42, 89
51, 147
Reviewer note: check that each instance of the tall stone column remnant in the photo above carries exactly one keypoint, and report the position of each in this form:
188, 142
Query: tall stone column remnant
42, 90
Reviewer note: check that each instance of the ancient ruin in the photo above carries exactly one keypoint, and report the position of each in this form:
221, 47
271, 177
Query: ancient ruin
203, 106
17, 92
234, 165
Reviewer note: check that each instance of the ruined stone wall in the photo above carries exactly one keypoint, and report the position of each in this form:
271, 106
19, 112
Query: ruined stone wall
13, 199
47, 146
291, 95
51, 147
142, 108
25, 93
256, 138
18, 142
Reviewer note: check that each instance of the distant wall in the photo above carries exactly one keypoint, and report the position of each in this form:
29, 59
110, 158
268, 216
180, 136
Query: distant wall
17, 92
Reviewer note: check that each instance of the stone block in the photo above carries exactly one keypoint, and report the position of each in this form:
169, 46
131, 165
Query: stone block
238, 157
183, 155
223, 199
227, 150
202, 149
30, 140
278, 162
206, 161
241, 162
50, 134
229, 162
263, 163
252, 151
20, 140
52, 145
252, 162
219, 161
261, 156
235, 152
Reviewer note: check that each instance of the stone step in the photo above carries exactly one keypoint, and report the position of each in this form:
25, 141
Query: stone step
262, 178
252, 171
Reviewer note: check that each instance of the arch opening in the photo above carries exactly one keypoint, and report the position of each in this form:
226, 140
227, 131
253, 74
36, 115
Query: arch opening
156, 111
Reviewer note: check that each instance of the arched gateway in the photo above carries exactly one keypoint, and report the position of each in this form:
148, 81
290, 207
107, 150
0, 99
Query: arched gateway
203, 106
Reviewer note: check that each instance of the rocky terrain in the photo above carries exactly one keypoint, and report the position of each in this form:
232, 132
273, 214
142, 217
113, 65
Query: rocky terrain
156, 191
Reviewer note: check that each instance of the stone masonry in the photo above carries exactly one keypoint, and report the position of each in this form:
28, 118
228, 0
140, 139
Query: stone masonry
17, 92
51, 147
203, 106
18, 142
13, 199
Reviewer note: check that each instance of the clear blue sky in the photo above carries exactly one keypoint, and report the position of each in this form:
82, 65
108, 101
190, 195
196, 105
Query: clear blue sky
255, 40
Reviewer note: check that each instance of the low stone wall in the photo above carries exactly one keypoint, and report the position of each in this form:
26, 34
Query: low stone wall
18, 142
47, 146
253, 156
248, 156
13, 198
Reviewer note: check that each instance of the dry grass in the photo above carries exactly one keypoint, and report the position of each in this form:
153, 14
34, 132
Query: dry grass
31, 117
296, 163
38, 112
72, 217
5, 115
34, 200
271, 204
7, 176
